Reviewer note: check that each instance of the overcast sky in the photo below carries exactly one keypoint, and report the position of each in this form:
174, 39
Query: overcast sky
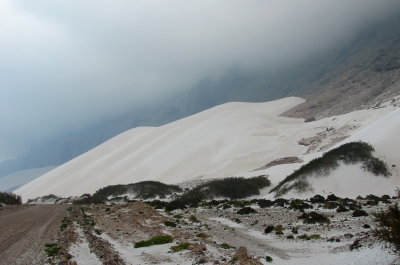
67, 63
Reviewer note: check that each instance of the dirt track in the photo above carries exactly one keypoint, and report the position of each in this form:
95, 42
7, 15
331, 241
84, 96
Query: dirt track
25, 229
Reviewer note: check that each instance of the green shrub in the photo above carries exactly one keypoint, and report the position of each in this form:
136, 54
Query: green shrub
202, 235
269, 229
268, 259
226, 246
194, 219
51, 249
88, 220
281, 202
246, 210
376, 167
265, 203
180, 247
64, 223
170, 224
313, 218
315, 236
342, 209
332, 198
309, 237
299, 205
388, 229
317, 199
330, 205
278, 228
157, 240
358, 213
10, 198
236, 188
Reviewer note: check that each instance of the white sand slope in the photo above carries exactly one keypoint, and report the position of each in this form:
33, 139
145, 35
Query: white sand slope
352, 180
220, 142
384, 135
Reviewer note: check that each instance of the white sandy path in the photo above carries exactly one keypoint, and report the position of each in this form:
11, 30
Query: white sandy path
317, 253
376, 255
147, 255
80, 251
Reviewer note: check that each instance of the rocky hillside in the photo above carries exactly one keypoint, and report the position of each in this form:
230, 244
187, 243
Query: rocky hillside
364, 73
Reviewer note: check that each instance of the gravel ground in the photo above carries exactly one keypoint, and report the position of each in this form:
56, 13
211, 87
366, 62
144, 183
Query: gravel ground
24, 230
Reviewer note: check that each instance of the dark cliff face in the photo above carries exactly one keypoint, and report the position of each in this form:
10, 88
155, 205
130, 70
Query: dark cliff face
362, 71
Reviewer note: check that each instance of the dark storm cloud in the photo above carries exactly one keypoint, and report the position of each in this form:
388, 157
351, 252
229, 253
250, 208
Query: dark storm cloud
67, 63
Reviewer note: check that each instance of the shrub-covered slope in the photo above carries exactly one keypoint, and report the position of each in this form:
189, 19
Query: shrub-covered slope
9, 198
231, 188
348, 154
141, 190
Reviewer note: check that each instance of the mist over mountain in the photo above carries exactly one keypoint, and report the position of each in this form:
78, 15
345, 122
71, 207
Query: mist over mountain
326, 78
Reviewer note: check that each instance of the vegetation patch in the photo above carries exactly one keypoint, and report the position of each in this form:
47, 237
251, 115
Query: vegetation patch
178, 216
299, 205
309, 237
51, 249
143, 190
226, 246
269, 229
313, 218
232, 188
46, 198
278, 228
342, 209
9, 198
281, 202
349, 153
246, 210
317, 199
180, 247
202, 235
157, 240
64, 223
358, 213
170, 224
194, 219
388, 229
265, 203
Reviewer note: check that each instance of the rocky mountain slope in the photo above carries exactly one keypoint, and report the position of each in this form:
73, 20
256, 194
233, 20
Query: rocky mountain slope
365, 72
